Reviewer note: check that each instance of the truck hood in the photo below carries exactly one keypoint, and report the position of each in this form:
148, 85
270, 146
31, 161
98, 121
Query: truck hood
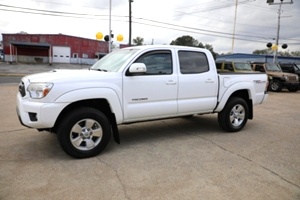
280, 74
66, 75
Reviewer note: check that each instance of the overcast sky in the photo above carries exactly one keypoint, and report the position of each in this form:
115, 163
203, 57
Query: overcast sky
160, 21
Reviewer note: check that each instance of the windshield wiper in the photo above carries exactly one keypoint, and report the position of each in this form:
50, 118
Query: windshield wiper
101, 70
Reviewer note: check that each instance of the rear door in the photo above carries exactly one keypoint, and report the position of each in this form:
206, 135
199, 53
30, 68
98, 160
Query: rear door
152, 94
198, 84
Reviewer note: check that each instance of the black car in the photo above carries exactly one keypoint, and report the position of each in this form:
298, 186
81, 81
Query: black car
290, 67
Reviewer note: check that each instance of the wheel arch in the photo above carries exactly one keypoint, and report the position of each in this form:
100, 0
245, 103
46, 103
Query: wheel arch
244, 94
99, 104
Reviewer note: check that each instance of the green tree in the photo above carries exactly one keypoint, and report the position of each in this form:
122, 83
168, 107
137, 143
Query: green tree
284, 53
295, 53
22, 32
262, 52
208, 47
138, 41
280, 53
223, 54
187, 40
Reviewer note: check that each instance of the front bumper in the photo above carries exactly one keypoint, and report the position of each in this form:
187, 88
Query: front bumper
291, 84
36, 114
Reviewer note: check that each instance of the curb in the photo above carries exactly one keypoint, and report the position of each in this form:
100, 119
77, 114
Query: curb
18, 75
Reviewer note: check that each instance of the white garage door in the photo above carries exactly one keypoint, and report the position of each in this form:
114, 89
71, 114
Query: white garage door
61, 54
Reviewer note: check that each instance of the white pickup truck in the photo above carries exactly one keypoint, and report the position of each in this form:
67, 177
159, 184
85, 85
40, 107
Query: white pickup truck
84, 107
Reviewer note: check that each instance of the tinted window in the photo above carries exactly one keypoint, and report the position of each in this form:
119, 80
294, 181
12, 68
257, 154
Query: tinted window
259, 68
192, 62
228, 66
219, 65
157, 62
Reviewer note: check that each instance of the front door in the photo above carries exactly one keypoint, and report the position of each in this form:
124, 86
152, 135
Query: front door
151, 94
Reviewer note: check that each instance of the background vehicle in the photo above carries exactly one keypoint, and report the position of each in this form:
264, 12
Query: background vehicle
85, 107
233, 66
279, 79
290, 68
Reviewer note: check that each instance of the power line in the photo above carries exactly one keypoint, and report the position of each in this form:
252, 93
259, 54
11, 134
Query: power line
202, 33
222, 7
46, 11
198, 29
162, 24
86, 16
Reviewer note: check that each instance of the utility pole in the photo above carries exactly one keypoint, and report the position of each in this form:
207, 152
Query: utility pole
109, 31
233, 35
129, 43
277, 35
271, 2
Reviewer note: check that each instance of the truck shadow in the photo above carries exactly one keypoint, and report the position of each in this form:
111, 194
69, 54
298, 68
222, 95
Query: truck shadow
143, 132
131, 135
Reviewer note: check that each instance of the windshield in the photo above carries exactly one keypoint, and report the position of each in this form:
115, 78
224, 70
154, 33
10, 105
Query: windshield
114, 60
297, 67
273, 67
243, 66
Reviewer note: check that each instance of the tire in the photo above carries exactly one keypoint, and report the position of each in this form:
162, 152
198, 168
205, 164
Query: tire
293, 88
234, 115
276, 86
84, 132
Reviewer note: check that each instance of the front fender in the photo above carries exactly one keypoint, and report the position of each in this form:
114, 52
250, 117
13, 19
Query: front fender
95, 93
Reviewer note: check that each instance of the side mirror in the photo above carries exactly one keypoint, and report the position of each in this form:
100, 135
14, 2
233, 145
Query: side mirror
137, 68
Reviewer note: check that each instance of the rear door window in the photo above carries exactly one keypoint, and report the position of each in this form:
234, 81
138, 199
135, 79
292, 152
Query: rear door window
192, 62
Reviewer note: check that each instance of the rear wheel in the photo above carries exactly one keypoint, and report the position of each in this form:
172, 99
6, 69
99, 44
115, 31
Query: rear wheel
234, 116
84, 132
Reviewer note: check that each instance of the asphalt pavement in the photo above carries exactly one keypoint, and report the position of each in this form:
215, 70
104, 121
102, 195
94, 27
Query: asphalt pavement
183, 158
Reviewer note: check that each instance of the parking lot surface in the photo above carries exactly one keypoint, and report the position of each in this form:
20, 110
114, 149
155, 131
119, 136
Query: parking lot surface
184, 158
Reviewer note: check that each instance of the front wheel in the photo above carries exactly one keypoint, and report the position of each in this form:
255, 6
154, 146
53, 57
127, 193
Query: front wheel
276, 85
234, 115
293, 88
84, 132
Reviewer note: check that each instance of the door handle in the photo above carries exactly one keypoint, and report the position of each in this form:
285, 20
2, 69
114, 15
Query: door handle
171, 82
209, 81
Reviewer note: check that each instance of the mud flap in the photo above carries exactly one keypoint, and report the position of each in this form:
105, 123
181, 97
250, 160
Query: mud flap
115, 129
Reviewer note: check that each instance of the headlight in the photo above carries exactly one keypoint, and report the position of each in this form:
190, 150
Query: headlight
286, 78
39, 90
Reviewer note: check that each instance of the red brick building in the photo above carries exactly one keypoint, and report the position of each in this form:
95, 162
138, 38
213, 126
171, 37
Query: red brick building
52, 48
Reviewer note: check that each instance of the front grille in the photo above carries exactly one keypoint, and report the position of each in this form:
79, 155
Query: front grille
22, 89
292, 78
